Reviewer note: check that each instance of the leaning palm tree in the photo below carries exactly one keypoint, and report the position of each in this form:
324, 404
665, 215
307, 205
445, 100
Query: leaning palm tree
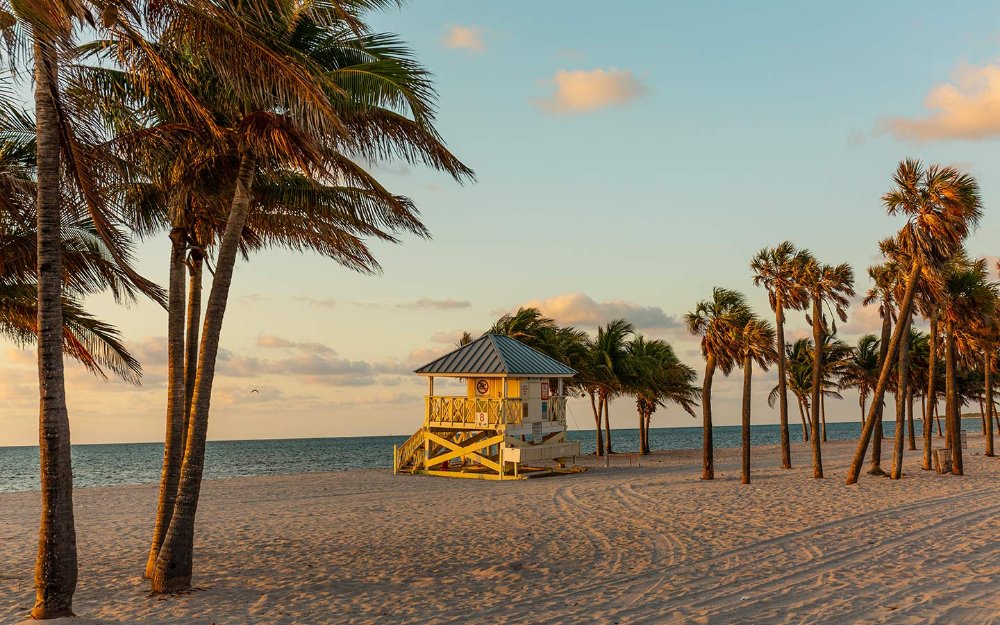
716, 321
779, 270
313, 120
832, 286
941, 205
755, 344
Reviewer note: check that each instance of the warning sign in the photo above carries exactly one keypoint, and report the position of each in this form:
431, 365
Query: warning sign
482, 387
545, 390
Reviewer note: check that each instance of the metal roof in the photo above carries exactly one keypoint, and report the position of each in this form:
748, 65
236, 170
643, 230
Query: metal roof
495, 354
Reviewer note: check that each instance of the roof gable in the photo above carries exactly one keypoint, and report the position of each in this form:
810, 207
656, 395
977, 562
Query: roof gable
495, 354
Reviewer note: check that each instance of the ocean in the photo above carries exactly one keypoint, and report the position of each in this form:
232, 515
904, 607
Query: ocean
139, 463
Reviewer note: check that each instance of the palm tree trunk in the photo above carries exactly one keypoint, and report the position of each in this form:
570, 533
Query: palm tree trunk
988, 386
173, 442
803, 407
876, 463
707, 450
862, 400
953, 417
786, 446
195, 269
173, 569
646, 450
747, 380
56, 565
911, 433
937, 417
931, 402
599, 448
822, 414
642, 431
883, 379
607, 426
817, 377
901, 373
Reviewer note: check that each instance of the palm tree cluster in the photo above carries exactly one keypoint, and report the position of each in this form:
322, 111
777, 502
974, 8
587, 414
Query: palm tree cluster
230, 126
616, 362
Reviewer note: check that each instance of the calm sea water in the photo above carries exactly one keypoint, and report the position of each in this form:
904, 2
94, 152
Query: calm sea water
139, 463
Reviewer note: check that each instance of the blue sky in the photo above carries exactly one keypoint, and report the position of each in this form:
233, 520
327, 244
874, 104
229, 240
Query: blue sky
629, 158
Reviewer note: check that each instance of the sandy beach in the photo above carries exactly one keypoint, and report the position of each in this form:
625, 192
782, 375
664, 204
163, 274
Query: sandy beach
614, 546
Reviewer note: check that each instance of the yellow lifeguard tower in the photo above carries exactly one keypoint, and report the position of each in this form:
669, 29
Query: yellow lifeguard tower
510, 423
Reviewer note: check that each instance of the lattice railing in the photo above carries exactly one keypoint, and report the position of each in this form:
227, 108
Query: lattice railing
472, 411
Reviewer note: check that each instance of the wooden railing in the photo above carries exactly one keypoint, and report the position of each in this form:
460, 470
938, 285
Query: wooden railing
472, 411
406, 452
485, 412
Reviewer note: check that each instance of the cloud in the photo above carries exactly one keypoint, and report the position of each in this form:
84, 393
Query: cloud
277, 342
318, 303
436, 304
449, 338
582, 91
968, 108
583, 310
465, 38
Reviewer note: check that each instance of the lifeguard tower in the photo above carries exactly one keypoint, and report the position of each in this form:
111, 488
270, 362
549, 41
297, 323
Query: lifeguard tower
510, 423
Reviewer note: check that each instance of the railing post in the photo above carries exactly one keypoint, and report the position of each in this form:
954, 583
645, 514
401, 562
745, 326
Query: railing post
395, 460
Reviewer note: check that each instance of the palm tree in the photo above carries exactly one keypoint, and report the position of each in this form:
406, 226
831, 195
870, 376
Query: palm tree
919, 357
941, 205
971, 300
798, 374
779, 270
862, 369
902, 378
656, 376
609, 355
330, 110
833, 286
755, 343
716, 321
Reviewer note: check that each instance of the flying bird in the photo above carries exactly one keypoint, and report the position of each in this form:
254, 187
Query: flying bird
255, 391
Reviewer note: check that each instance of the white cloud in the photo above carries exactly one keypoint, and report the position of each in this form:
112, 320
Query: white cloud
436, 304
465, 38
277, 342
967, 108
582, 310
582, 91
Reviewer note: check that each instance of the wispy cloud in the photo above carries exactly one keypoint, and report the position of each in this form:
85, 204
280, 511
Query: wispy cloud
277, 342
967, 108
436, 304
318, 303
583, 91
465, 38
582, 310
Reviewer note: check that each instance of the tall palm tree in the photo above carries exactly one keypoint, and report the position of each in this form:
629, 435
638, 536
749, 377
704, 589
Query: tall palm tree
902, 378
941, 205
862, 369
336, 113
779, 270
833, 286
755, 344
716, 321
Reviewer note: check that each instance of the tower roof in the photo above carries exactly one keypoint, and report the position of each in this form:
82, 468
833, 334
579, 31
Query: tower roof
497, 355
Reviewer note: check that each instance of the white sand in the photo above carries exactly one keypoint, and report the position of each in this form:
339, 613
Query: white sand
649, 545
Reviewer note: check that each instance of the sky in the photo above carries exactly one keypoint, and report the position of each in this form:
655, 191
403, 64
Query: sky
627, 161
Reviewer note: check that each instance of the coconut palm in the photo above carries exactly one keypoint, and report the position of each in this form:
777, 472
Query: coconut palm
755, 344
832, 286
862, 369
941, 205
902, 378
716, 321
779, 270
